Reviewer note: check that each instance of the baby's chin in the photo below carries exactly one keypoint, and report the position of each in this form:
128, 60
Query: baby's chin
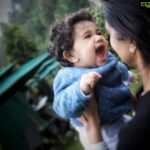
101, 63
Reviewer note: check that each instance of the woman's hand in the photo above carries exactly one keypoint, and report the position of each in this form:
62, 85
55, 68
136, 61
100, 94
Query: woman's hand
91, 121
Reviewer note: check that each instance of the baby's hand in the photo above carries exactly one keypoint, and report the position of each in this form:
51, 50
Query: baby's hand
88, 82
133, 77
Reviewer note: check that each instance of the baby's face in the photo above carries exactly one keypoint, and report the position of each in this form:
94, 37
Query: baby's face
90, 47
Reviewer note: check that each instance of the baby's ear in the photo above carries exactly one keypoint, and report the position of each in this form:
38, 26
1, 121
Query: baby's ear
71, 56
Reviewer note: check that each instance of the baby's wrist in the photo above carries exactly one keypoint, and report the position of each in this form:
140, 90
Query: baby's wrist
86, 91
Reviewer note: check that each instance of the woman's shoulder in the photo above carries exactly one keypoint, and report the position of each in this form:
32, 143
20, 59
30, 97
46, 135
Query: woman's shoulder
141, 120
136, 133
143, 102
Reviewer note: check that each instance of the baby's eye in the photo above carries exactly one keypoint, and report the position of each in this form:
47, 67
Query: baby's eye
87, 36
99, 33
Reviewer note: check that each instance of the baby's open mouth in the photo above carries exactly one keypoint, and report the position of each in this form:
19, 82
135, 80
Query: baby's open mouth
101, 54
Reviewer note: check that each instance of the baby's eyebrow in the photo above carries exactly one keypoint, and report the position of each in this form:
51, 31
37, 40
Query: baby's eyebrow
86, 32
89, 32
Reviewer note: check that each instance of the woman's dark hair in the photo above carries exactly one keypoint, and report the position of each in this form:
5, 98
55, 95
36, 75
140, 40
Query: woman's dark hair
131, 21
61, 35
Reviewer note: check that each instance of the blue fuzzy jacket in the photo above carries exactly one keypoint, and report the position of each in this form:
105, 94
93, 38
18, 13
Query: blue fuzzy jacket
112, 95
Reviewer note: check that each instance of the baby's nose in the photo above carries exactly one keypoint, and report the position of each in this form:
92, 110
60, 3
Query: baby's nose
98, 38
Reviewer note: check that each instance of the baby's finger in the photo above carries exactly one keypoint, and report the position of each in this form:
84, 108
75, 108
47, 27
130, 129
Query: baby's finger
95, 75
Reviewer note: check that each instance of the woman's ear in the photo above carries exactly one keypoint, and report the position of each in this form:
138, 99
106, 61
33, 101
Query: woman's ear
133, 47
71, 56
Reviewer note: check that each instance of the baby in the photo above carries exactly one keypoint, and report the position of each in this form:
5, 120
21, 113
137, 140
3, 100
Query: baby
89, 69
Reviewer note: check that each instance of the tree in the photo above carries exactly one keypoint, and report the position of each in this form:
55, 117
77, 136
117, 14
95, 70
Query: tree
65, 7
35, 16
17, 45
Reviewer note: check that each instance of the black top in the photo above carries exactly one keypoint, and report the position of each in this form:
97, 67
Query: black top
135, 135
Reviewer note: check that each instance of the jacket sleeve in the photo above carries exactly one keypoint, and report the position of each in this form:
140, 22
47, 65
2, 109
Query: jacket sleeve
69, 100
124, 71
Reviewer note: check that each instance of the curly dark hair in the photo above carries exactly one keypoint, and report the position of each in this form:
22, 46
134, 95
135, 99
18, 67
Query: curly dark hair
61, 35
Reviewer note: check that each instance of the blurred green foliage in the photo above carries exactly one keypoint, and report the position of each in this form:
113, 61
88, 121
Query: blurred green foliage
17, 45
33, 18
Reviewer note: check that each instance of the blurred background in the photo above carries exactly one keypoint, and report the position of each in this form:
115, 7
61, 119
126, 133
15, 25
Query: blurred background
25, 23
27, 121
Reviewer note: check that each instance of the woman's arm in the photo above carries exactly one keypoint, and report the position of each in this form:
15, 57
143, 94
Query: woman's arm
91, 121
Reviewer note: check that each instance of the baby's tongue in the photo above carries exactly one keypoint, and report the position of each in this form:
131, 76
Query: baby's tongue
101, 55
